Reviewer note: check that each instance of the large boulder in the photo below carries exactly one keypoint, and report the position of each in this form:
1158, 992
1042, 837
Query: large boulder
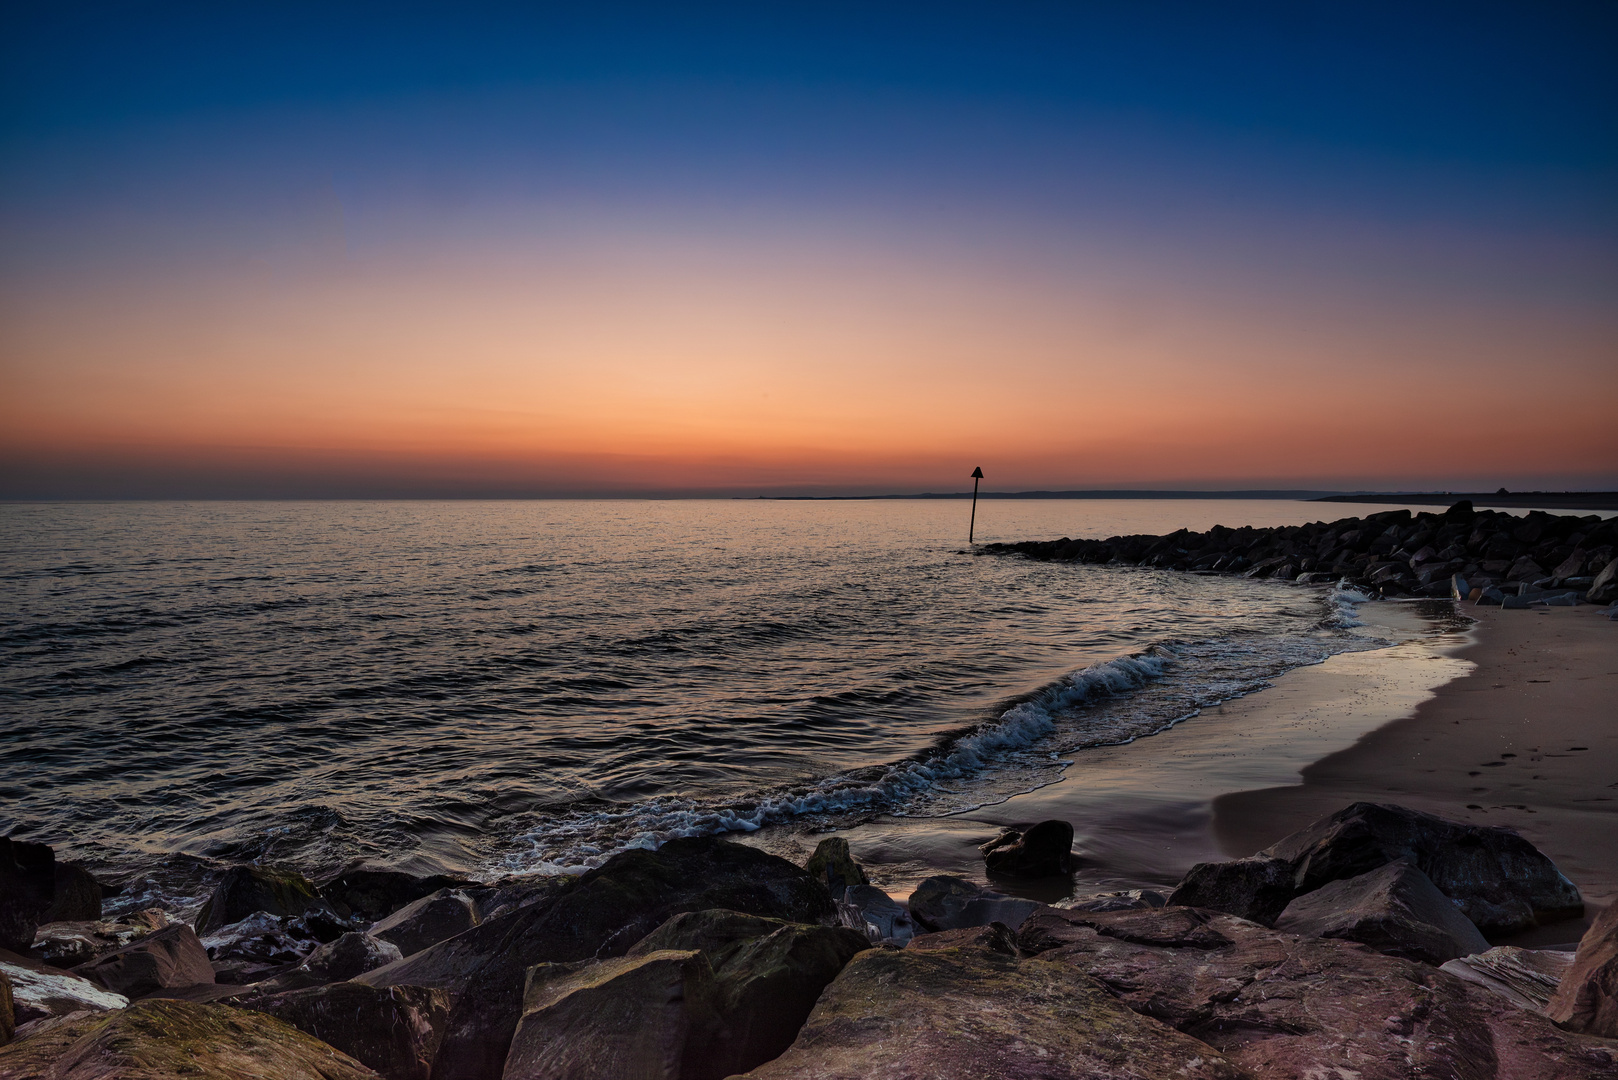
373, 895
27, 889
1257, 888
39, 992
159, 1039
1587, 999
1394, 909
628, 1016
78, 896
834, 867
971, 1012
69, 944
434, 918
943, 902
601, 914
1282, 1007
248, 889
765, 977
350, 955
171, 957
1045, 850
395, 1030
1500, 881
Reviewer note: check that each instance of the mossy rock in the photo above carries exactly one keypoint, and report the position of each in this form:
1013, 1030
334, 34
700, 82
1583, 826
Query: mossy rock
834, 867
246, 889
159, 1039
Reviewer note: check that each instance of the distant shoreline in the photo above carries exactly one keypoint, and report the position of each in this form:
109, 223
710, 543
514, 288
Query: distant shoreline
1538, 500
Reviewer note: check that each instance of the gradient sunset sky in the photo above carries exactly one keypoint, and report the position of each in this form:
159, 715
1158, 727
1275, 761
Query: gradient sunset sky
612, 249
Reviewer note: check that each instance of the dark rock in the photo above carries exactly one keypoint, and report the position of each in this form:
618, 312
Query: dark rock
1394, 909
170, 957
350, 955
1169, 928
973, 1012
159, 1038
1527, 978
513, 894
8, 1016
27, 889
39, 991
373, 895
996, 936
834, 867
427, 921
1525, 569
248, 889
258, 947
1283, 1007
1604, 590
1045, 850
1257, 888
1587, 999
949, 903
602, 913
762, 991
69, 944
395, 1030
78, 896
629, 1016
1499, 880
1572, 565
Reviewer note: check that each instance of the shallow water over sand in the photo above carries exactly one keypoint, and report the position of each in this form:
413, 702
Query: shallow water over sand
503, 686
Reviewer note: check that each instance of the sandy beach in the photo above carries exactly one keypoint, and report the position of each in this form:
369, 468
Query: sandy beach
1528, 739
1473, 720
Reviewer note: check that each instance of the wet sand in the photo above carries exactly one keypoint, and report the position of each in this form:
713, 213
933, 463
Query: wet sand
1424, 723
1527, 739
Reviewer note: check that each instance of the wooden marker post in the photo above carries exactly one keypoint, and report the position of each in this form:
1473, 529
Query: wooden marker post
977, 474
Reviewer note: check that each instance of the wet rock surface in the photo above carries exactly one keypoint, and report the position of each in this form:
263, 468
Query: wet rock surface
1044, 851
258, 947
162, 1039
1280, 1005
351, 955
944, 902
77, 898
967, 1011
1394, 909
427, 921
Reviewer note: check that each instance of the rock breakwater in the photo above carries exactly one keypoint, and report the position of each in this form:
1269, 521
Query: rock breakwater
1394, 554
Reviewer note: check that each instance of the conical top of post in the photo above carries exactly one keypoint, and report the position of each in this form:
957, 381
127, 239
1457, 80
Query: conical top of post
977, 473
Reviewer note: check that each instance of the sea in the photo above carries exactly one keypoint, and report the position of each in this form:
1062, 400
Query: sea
495, 688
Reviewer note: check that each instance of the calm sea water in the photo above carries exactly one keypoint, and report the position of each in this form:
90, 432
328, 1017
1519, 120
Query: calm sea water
497, 686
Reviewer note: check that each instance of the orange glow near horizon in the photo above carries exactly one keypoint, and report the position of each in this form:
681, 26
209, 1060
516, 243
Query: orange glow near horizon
769, 366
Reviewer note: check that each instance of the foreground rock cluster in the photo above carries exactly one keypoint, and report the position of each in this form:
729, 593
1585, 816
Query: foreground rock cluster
1354, 948
1393, 554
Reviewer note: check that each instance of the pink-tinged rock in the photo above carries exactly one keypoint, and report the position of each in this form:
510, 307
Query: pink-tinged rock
171, 957
1587, 999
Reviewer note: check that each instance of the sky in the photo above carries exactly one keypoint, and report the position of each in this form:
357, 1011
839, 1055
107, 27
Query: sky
398, 250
